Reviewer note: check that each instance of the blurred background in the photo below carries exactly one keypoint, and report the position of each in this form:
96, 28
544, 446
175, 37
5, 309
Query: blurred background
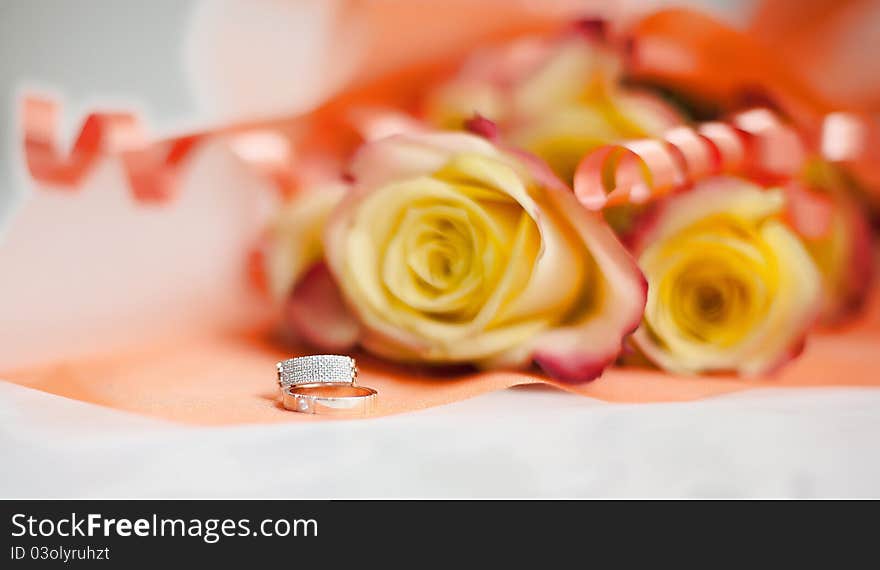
183, 67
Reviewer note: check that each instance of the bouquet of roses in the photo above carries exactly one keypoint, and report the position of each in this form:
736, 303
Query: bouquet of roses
552, 200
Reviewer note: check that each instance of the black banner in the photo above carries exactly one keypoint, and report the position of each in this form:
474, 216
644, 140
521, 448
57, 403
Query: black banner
119, 533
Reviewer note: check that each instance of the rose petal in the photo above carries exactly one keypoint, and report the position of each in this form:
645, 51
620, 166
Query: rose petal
480, 125
810, 212
400, 157
838, 235
861, 272
316, 312
715, 195
293, 242
579, 352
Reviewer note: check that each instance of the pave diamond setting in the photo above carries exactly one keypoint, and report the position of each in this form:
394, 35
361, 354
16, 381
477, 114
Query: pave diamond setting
319, 368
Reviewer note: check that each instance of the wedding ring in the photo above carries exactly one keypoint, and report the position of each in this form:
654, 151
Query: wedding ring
330, 399
316, 369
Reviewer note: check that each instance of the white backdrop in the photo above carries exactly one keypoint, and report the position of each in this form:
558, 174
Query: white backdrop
517, 443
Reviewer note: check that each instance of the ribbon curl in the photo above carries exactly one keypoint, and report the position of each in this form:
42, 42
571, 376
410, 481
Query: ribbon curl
756, 143
151, 168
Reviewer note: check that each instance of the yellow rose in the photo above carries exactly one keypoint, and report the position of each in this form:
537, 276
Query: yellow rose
297, 277
574, 103
844, 258
295, 237
731, 287
450, 250
557, 98
836, 232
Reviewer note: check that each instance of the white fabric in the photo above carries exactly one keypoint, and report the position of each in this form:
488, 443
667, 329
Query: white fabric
517, 443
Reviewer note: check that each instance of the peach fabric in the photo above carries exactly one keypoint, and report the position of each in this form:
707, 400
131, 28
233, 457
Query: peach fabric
227, 379
831, 42
683, 49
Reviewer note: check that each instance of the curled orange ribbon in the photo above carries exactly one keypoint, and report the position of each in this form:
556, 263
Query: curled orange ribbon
151, 168
756, 143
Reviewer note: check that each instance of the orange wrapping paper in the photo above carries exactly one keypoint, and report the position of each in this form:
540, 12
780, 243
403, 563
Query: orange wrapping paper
228, 379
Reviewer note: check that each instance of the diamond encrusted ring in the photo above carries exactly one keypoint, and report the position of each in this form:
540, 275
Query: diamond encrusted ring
324, 384
317, 369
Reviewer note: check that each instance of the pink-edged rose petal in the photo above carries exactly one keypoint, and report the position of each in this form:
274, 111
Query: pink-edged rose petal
580, 351
317, 314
